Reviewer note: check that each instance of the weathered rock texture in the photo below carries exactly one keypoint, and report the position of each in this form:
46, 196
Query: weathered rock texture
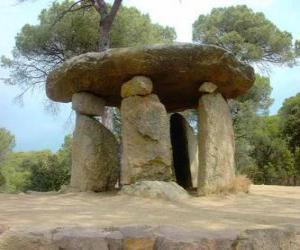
156, 189
185, 152
216, 144
176, 71
146, 151
138, 85
88, 104
193, 153
95, 164
207, 87
146, 238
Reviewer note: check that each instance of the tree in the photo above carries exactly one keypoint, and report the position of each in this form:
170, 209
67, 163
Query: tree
48, 175
16, 169
274, 160
247, 34
70, 28
7, 142
245, 112
290, 121
43, 47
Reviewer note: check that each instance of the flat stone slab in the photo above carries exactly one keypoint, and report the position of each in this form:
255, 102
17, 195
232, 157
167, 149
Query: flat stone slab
176, 70
134, 237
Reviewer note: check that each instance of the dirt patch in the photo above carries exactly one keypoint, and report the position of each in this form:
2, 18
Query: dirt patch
263, 207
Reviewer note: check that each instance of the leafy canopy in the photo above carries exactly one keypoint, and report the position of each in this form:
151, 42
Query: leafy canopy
36, 170
290, 120
247, 34
7, 142
41, 48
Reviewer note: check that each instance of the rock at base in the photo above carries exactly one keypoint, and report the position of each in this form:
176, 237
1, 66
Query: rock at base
156, 189
146, 151
88, 104
138, 85
142, 237
216, 144
95, 164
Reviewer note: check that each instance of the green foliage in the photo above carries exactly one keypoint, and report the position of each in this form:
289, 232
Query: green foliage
245, 112
274, 160
36, 170
41, 48
297, 163
247, 34
16, 169
48, 175
290, 119
7, 142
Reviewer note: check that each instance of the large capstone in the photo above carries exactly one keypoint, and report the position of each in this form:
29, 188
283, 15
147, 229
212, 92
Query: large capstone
88, 104
176, 70
216, 144
95, 164
146, 151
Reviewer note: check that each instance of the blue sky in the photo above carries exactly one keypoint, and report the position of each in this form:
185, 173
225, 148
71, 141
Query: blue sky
37, 129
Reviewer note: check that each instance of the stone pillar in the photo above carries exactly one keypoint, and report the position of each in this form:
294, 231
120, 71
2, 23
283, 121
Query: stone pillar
146, 145
193, 153
216, 142
95, 164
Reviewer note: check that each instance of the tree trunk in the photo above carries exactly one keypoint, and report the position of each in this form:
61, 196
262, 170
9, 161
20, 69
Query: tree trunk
104, 40
106, 21
104, 44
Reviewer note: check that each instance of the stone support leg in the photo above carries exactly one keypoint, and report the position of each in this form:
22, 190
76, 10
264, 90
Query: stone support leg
146, 145
216, 144
95, 163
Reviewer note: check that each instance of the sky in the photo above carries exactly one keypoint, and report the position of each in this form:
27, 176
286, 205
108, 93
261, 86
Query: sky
37, 129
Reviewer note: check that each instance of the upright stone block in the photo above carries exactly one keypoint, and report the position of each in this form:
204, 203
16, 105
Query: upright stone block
88, 104
146, 151
216, 144
95, 163
193, 153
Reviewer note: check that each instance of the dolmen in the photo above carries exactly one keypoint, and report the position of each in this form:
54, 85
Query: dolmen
151, 85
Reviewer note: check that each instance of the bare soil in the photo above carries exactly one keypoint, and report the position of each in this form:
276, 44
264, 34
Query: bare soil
263, 207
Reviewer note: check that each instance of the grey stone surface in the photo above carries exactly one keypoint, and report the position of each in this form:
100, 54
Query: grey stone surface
88, 104
207, 87
139, 237
265, 239
192, 140
138, 85
95, 164
146, 145
216, 144
176, 71
156, 189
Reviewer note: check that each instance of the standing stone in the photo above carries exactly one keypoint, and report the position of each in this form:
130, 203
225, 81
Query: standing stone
208, 87
193, 152
138, 85
146, 141
88, 104
95, 164
216, 144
